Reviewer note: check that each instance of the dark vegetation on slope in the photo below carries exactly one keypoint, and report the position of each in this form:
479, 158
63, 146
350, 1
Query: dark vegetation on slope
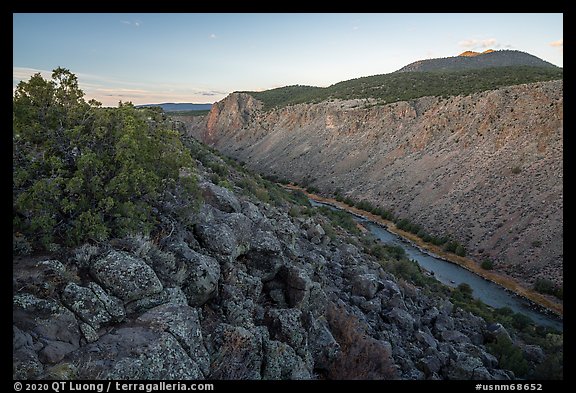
402, 86
473, 60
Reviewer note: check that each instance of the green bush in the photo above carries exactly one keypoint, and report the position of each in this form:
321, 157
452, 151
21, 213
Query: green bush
460, 250
509, 356
465, 288
521, 321
348, 201
340, 218
487, 264
546, 286
81, 172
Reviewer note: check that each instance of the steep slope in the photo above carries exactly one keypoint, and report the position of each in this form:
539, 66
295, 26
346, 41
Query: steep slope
472, 60
485, 168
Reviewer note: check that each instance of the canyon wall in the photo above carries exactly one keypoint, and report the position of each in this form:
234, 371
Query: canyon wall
485, 168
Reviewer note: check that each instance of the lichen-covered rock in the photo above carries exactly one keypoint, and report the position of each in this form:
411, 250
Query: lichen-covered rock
365, 285
298, 286
137, 352
202, 273
219, 197
43, 332
45, 320
282, 362
264, 257
322, 344
125, 276
218, 238
285, 325
92, 305
468, 368
183, 323
402, 318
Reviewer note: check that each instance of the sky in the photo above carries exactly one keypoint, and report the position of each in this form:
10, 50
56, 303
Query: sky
201, 58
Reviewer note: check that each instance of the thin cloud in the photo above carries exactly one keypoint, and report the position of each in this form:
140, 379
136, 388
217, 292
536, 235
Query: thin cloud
23, 73
135, 23
557, 44
475, 43
212, 36
109, 90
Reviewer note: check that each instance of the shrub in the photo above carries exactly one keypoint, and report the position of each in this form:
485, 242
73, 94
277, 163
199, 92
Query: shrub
546, 286
340, 218
465, 288
312, 190
509, 356
516, 170
460, 250
102, 169
299, 198
521, 321
487, 264
348, 201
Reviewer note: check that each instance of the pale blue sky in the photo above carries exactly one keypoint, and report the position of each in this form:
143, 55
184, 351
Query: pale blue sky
150, 58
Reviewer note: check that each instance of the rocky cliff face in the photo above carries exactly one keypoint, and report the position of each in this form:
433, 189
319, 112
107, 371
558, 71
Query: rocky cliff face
486, 168
244, 291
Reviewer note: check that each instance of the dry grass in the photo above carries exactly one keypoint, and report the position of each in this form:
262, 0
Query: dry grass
360, 356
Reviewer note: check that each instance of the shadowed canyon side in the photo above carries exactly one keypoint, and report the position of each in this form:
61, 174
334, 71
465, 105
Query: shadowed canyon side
485, 168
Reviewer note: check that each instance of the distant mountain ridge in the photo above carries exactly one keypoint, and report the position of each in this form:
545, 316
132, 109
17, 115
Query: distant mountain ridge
474, 60
181, 106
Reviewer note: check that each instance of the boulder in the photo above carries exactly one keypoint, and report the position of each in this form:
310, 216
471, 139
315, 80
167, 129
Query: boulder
200, 282
125, 276
285, 325
365, 285
455, 337
219, 197
402, 318
264, 259
430, 365
136, 352
281, 362
322, 344
467, 368
495, 330
426, 338
92, 305
218, 238
183, 323
298, 286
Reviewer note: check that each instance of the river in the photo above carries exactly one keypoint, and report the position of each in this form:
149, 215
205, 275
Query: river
452, 275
